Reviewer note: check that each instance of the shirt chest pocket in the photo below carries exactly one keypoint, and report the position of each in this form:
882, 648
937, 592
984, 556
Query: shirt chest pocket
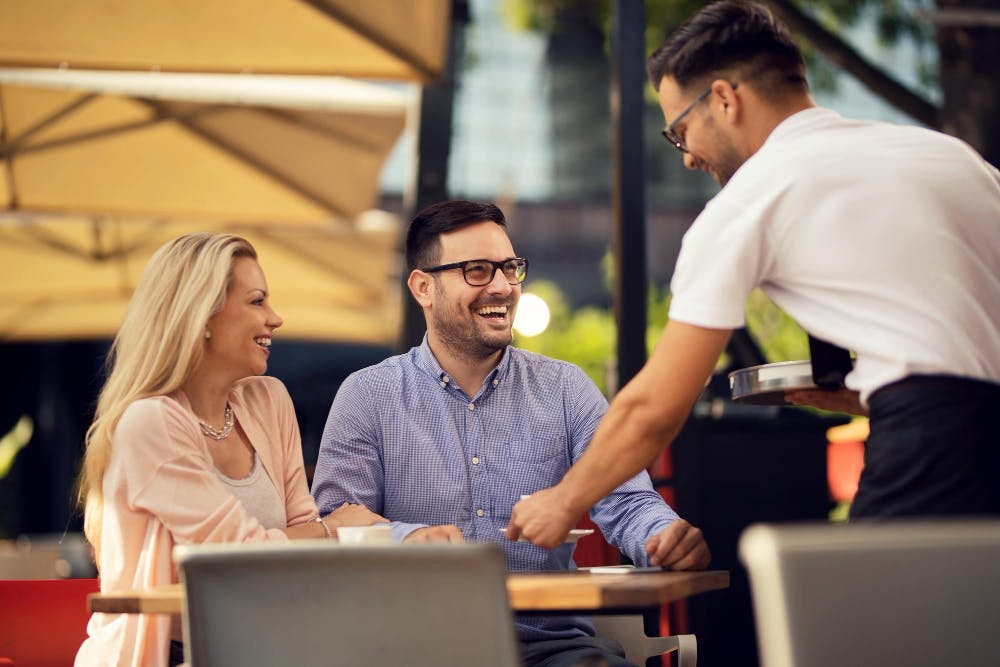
542, 449
532, 464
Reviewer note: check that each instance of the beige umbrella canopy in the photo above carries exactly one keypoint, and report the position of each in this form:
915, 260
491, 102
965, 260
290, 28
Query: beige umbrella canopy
245, 148
100, 168
397, 39
64, 278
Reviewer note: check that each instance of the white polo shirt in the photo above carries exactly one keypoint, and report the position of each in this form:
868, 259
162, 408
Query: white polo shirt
882, 239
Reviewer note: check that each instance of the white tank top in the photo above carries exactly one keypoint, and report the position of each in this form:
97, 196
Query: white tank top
258, 494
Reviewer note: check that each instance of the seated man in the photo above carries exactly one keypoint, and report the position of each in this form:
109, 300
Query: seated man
444, 439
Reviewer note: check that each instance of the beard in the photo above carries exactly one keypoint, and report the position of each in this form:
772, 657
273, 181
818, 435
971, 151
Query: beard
728, 158
465, 335
727, 164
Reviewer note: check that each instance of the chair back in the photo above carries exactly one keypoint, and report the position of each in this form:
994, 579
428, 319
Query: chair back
43, 621
885, 593
315, 603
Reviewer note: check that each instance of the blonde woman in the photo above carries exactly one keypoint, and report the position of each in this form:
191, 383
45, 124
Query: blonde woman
189, 443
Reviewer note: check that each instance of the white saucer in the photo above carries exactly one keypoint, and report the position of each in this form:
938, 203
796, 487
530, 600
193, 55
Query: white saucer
573, 536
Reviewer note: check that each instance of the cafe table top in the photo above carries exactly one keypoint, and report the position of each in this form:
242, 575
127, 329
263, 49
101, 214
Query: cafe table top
528, 592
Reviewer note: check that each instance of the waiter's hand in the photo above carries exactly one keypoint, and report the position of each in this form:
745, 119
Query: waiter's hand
679, 546
544, 518
834, 400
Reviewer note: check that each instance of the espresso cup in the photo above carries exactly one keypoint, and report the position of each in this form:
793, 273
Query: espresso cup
381, 534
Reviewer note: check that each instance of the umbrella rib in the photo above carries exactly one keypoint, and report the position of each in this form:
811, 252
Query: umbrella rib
323, 263
8, 165
53, 242
9, 149
292, 119
250, 160
104, 132
380, 40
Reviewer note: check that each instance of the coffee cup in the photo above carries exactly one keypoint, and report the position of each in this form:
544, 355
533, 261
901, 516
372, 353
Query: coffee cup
380, 534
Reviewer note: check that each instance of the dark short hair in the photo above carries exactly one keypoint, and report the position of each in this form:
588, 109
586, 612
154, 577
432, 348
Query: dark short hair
423, 244
731, 35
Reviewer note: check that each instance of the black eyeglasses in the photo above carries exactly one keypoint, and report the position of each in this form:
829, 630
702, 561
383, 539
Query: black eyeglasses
479, 272
676, 140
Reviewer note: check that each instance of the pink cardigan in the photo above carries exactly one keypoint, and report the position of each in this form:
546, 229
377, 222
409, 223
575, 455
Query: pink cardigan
160, 490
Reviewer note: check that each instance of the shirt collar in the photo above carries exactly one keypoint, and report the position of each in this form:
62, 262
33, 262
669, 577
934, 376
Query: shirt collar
424, 360
799, 121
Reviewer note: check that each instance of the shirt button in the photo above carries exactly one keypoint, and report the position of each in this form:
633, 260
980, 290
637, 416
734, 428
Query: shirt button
443, 383
445, 379
472, 406
496, 382
475, 460
480, 512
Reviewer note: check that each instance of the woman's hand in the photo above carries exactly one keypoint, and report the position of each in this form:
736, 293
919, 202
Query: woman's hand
350, 514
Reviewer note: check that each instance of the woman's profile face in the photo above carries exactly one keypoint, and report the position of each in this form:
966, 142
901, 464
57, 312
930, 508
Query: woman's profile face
241, 332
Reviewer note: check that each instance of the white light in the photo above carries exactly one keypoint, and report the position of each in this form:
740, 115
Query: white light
532, 315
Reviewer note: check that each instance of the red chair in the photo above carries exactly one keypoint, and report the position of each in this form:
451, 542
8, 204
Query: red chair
845, 458
43, 621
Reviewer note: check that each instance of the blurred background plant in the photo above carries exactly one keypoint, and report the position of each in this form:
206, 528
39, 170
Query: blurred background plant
585, 336
894, 22
10, 444
13, 442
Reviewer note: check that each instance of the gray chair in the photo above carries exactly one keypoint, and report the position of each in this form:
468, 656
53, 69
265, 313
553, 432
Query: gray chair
315, 603
876, 594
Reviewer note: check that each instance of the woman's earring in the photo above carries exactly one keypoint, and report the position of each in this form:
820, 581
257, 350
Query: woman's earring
208, 334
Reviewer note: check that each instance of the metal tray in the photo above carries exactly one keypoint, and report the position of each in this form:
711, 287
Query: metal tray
766, 384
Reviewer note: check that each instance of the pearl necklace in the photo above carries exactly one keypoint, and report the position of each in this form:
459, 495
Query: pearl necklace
223, 432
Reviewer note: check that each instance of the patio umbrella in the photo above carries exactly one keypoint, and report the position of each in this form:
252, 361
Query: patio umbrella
397, 39
70, 278
100, 168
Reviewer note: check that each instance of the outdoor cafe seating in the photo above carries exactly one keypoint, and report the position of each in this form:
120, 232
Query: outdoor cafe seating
318, 604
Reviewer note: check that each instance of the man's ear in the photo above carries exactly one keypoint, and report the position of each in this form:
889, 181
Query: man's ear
725, 96
421, 287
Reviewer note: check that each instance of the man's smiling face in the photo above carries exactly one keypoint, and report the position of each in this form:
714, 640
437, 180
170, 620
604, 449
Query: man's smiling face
474, 321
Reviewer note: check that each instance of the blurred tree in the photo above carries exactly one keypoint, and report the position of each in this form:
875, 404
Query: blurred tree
586, 336
964, 33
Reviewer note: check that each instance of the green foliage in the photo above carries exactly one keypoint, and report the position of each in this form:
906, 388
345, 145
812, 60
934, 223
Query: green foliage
779, 337
896, 21
13, 442
585, 336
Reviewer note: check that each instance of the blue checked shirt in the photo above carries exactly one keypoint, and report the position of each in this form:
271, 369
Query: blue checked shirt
408, 443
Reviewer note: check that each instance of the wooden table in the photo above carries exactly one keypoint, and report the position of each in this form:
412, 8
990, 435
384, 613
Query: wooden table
552, 592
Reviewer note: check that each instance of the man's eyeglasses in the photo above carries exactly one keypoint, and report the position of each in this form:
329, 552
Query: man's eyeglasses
479, 272
675, 139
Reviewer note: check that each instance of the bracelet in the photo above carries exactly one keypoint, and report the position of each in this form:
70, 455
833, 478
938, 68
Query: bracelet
319, 519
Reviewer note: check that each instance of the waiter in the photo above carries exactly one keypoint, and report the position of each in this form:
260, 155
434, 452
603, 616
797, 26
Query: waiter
879, 238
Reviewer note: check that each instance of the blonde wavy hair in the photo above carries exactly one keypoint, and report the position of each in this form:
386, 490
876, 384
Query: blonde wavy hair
160, 342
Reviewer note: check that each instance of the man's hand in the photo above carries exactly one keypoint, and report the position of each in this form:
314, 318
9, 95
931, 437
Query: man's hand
679, 546
447, 533
544, 518
834, 400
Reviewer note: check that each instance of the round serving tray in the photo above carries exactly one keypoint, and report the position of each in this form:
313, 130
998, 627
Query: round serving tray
766, 384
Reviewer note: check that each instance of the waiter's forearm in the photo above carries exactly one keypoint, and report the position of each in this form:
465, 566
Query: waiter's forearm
631, 435
647, 413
